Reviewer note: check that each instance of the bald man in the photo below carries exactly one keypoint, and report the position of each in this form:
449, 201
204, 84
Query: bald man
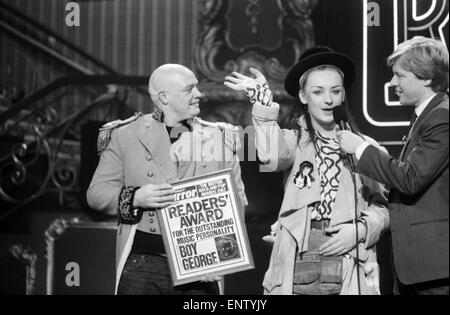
139, 159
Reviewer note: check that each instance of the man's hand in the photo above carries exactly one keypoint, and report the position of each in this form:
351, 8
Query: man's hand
348, 141
343, 240
154, 196
210, 277
257, 88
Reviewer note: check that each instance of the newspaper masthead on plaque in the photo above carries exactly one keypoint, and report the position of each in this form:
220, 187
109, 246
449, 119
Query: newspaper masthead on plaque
204, 231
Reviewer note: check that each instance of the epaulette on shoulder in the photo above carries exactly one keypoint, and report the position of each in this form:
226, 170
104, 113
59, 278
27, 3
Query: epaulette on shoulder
231, 133
104, 133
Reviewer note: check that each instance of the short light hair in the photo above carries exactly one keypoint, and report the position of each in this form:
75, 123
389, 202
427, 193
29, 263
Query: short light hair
427, 58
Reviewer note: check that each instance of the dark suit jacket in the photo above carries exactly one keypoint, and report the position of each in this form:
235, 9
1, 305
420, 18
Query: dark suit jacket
419, 206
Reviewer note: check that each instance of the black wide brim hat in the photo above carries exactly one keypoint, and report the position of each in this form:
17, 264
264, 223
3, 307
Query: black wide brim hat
317, 56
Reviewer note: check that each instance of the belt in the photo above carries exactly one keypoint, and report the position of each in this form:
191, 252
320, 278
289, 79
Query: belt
146, 243
320, 225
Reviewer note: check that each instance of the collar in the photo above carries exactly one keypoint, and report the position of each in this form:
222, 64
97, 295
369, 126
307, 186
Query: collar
185, 123
175, 132
419, 109
158, 115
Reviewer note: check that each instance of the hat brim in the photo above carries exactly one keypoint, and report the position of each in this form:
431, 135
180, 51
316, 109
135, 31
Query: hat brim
341, 61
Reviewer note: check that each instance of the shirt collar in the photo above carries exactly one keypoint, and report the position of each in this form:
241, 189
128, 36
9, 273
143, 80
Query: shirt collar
419, 109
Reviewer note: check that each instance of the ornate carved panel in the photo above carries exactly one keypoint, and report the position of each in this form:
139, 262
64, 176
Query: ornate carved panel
235, 35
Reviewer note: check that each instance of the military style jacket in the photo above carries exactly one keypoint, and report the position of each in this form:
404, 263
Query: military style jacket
138, 151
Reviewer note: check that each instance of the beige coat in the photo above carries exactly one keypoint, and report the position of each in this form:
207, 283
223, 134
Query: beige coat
279, 150
140, 153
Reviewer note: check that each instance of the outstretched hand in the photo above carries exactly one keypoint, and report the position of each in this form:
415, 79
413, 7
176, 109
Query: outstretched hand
240, 82
257, 88
348, 141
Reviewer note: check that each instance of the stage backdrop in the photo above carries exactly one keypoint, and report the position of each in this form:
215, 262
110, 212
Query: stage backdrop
215, 37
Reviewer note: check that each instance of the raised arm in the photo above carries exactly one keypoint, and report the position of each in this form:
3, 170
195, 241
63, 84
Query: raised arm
276, 147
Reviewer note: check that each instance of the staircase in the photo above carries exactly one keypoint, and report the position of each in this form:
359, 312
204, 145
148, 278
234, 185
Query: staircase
40, 132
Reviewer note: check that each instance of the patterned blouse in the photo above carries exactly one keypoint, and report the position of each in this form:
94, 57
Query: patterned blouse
329, 161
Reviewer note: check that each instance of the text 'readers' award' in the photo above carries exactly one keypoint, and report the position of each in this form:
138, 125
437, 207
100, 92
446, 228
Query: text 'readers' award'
204, 231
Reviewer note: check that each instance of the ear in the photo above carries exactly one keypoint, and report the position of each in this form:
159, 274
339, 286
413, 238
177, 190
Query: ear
163, 97
302, 97
428, 82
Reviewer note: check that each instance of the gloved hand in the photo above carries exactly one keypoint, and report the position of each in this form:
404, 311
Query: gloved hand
257, 88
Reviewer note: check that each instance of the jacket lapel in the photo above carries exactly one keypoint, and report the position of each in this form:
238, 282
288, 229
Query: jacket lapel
414, 133
299, 198
344, 204
153, 136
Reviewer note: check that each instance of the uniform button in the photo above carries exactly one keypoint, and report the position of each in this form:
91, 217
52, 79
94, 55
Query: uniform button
149, 174
148, 157
151, 213
152, 220
152, 230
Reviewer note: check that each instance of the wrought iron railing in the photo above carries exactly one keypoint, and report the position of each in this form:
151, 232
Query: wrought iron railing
46, 157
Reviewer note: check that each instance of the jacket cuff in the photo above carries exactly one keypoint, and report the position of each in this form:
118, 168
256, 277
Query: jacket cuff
363, 221
266, 112
127, 213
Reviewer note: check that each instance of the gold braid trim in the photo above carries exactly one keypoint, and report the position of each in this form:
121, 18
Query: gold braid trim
128, 214
231, 133
158, 114
104, 133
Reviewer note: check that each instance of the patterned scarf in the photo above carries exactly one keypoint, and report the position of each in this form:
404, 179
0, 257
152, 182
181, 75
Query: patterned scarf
329, 161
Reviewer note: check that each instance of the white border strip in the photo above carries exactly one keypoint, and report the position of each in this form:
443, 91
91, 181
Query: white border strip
429, 24
441, 30
423, 16
386, 96
365, 73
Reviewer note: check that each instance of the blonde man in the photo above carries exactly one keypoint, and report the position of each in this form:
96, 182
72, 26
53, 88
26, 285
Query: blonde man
419, 178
